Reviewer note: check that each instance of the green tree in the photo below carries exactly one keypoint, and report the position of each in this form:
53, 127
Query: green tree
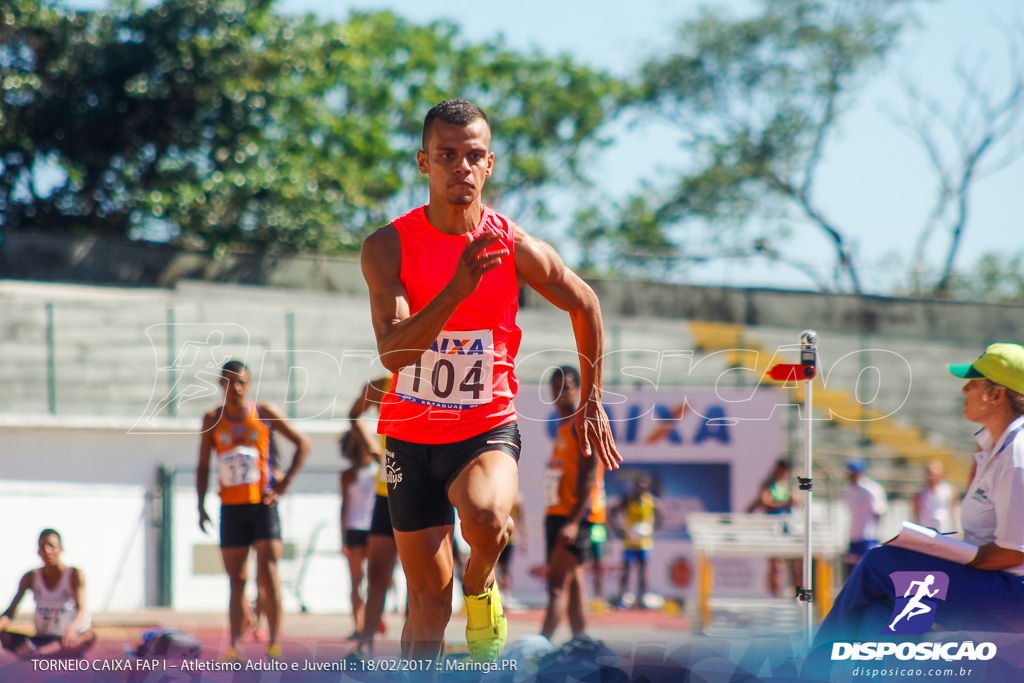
995, 277
222, 123
754, 101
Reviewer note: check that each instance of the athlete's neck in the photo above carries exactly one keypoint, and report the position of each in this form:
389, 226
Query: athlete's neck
454, 219
52, 572
235, 411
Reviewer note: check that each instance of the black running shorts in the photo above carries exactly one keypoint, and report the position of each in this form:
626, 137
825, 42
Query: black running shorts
419, 475
244, 524
356, 538
380, 525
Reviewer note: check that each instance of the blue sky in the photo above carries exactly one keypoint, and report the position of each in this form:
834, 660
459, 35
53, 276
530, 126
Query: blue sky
874, 182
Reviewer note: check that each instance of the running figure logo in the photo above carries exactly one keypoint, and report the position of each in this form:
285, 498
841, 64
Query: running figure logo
188, 359
915, 611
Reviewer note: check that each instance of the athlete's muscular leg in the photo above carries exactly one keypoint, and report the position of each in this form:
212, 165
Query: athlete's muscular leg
483, 494
268, 554
235, 561
429, 552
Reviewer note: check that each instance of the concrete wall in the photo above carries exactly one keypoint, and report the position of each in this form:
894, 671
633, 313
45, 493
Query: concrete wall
950, 321
152, 354
30, 256
98, 486
88, 260
87, 411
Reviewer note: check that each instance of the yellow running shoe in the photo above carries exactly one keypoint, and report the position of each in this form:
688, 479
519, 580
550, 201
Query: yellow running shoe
231, 656
486, 627
273, 651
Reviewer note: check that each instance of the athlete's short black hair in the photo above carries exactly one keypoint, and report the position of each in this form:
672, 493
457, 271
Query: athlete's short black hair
50, 532
566, 371
234, 367
458, 112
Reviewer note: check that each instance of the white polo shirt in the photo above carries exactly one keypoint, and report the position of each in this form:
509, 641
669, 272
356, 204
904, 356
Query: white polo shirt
867, 503
993, 508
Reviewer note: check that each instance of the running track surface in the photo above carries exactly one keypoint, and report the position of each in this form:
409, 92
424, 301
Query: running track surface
314, 638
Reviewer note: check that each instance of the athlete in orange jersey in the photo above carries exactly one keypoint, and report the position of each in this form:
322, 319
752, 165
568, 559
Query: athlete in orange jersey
443, 283
574, 489
240, 432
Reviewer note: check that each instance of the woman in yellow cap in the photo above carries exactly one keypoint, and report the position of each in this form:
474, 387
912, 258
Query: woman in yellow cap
986, 594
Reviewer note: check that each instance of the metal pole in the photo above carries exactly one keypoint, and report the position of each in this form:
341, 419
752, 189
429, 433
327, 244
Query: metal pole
166, 573
51, 363
809, 362
172, 407
865, 440
290, 329
741, 356
808, 574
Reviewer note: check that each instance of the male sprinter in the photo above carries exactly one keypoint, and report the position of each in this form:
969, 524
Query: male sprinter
240, 432
444, 290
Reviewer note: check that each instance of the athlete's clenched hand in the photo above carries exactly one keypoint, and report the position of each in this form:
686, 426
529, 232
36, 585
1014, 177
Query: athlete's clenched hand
474, 262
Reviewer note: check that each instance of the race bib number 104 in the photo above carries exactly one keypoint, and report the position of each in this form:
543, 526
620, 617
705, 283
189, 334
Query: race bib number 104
456, 372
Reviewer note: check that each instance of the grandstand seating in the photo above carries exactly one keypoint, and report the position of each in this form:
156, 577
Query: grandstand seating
894, 445
102, 351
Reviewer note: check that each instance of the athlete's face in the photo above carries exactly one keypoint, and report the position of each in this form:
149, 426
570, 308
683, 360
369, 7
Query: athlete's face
235, 385
457, 161
564, 392
49, 549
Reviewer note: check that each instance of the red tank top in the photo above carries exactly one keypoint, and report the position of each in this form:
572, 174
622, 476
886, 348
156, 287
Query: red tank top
465, 383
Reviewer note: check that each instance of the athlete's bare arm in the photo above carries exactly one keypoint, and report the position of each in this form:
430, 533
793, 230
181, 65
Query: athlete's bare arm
401, 337
24, 586
203, 468
539, 266
72, 638
371, 397
586, 480
302, 447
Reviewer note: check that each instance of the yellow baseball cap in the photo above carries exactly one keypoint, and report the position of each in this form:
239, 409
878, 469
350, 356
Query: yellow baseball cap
1001, 363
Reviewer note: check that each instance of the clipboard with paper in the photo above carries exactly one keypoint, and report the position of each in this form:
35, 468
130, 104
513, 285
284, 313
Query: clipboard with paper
931, 542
